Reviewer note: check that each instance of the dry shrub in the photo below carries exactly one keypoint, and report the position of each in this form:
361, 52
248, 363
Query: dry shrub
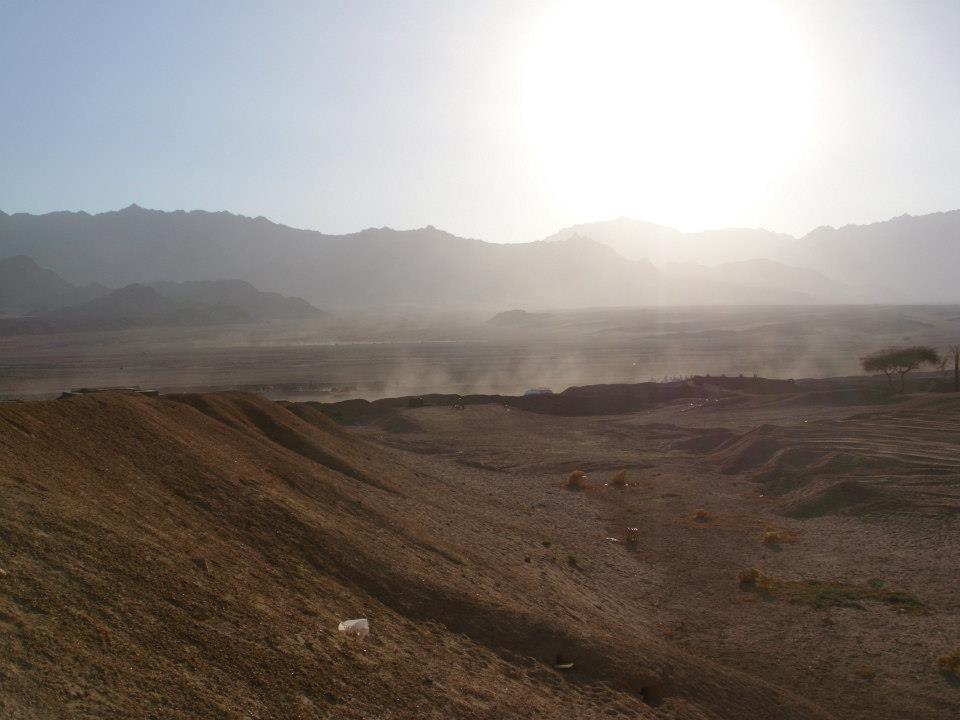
771, 536
632, 536
751, 577
701, 515
620, 479
950, 663
577, 480
823, 596
827, 597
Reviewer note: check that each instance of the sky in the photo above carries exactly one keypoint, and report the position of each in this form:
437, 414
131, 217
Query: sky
499, 120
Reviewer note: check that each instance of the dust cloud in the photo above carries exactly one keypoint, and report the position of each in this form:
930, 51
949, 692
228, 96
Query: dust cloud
378, 353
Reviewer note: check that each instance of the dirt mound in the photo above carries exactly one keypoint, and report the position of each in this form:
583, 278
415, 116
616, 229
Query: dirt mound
835, 498
789, 462
749, 385
842, 397
398, 423
579, 401
254, 416
747, 452
704, 442
192, 556
898, 461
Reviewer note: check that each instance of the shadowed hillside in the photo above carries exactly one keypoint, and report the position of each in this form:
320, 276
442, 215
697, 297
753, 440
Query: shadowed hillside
38, 300
26, 288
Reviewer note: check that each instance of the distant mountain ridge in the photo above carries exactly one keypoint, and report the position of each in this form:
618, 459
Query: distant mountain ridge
374, 267
661, 245
253, 303
914, 256
910, 258
25, 287
595, 264
765, 274
32, 297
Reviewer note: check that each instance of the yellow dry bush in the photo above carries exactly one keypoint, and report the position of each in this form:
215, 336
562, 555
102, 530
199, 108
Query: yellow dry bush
751, 577
950, 663
577, 480
620, 479
771, 536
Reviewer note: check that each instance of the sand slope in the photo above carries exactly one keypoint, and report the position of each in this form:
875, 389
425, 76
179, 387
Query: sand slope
862, 500
191, 556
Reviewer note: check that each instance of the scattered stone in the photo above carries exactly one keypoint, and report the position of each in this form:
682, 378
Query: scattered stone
359, 627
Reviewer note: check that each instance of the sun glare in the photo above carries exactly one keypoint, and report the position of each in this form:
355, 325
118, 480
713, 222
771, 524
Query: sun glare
678, 111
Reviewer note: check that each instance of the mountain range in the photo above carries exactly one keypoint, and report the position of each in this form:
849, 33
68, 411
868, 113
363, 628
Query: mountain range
908, 259
33, 297
619, 262
636, 240
27, 289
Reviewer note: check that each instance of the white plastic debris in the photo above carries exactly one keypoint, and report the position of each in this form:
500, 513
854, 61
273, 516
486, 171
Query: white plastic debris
357, 628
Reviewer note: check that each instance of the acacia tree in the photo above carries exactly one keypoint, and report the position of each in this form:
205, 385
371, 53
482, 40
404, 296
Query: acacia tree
899, 361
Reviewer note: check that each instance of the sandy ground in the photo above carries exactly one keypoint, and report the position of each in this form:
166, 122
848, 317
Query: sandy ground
892, 524
191, 557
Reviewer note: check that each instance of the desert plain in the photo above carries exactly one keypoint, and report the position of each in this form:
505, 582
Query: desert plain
778, 546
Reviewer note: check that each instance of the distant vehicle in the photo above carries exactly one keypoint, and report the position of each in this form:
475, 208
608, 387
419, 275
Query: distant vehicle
538, 391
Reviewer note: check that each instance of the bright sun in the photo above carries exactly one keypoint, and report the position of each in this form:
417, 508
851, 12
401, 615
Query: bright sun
685, 110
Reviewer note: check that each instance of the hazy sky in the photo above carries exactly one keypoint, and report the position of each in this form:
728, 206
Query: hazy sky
499, 120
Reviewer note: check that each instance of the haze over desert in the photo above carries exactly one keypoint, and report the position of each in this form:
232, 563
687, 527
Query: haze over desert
374, 361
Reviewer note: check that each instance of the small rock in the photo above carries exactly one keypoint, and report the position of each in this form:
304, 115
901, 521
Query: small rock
359, 627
